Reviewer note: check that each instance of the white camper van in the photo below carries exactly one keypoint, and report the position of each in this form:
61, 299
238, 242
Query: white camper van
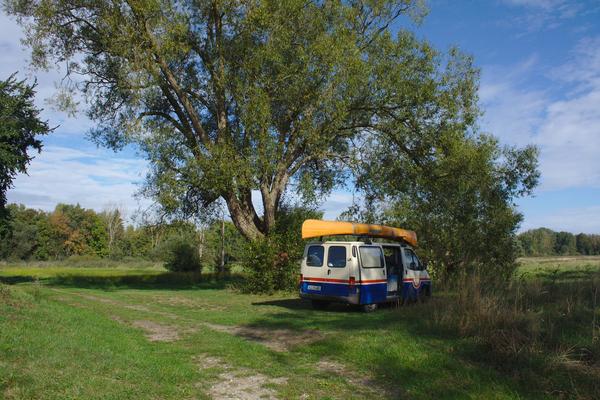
361, 272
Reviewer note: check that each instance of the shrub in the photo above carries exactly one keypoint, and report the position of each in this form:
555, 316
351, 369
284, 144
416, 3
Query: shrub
273, 263
268, 266
182, 256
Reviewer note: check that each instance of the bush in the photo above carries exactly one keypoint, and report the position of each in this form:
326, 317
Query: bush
273, 263
268, 266
182, 256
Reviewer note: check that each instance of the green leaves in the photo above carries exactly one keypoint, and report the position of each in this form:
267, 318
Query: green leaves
20, 126
225, 97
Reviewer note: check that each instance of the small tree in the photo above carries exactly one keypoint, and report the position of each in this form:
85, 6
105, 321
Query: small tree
458, 194
20, 127
182, 255
111, 216
272, 263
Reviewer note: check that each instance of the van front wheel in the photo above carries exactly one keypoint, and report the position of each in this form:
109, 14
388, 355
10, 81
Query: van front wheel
319, 304
369, 307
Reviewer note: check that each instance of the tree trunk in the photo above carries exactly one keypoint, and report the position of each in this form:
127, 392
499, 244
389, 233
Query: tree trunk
244, 217
271, 197
222, 264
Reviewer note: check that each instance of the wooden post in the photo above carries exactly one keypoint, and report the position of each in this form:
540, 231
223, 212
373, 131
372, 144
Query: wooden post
222, 265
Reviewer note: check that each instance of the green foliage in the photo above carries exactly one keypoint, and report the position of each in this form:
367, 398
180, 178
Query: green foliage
234, 245
451, 184
546, 242
224, 97
71, 231
19, 239
181, 256
20, 127
272, 263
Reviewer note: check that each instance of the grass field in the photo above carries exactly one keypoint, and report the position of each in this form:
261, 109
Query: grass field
143, 333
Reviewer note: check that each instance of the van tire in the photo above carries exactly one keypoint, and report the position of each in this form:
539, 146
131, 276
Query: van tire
369, 307
319, 304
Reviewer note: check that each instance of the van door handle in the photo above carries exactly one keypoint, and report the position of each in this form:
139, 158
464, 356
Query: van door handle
328, 271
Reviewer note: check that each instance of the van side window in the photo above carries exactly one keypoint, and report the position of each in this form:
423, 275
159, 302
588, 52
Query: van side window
314, 256
336, 257
371, 256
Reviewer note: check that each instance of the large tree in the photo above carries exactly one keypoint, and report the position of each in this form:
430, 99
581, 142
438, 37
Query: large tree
20, 127
228, 96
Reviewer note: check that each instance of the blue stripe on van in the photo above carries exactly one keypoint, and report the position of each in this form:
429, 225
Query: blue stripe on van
376, 293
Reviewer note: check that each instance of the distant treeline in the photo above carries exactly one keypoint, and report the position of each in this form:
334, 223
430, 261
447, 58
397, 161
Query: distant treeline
546, 242
71, 230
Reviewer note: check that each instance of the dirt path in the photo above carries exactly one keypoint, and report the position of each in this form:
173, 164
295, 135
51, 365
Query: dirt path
239, 383
366, 382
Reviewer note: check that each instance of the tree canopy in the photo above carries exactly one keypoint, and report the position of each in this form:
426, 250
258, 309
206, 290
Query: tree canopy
458, 194
20, 126
546, 242
226, 97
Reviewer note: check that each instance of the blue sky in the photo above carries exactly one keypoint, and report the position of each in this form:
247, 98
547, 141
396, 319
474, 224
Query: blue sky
540, 84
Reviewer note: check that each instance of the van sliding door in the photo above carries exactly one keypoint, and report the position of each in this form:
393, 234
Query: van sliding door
373, 282
393, 265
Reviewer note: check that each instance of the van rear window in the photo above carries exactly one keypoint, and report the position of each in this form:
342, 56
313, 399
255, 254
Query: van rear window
371, 256
336, 257
314, 256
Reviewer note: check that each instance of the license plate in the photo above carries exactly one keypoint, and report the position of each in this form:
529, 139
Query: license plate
313, 287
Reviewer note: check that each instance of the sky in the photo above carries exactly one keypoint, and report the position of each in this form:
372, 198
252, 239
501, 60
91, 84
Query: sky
540, 84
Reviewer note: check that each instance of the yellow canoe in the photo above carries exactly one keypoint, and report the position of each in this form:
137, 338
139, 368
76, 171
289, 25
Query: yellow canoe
312, 228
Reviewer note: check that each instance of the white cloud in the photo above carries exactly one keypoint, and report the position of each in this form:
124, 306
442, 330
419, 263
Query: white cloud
544, 4
575, 220
67, 175
512, 112
16, 59
541, 15
336, 203
570, 134
566, 129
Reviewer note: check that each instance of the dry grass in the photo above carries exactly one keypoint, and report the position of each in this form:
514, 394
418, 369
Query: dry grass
551, 320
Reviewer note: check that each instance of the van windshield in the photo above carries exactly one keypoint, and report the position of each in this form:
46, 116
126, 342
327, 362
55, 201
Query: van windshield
371, 256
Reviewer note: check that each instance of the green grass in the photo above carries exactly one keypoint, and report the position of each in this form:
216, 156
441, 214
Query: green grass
71, 333
565, 265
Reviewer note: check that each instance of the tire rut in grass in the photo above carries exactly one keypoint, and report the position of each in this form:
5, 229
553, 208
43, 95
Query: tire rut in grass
355, 379
280, 340
275, 339
134, 307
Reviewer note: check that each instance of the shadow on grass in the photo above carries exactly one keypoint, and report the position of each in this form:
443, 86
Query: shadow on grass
127, 280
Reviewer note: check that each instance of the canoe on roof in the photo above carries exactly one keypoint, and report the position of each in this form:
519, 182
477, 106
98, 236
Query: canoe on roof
312, 228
